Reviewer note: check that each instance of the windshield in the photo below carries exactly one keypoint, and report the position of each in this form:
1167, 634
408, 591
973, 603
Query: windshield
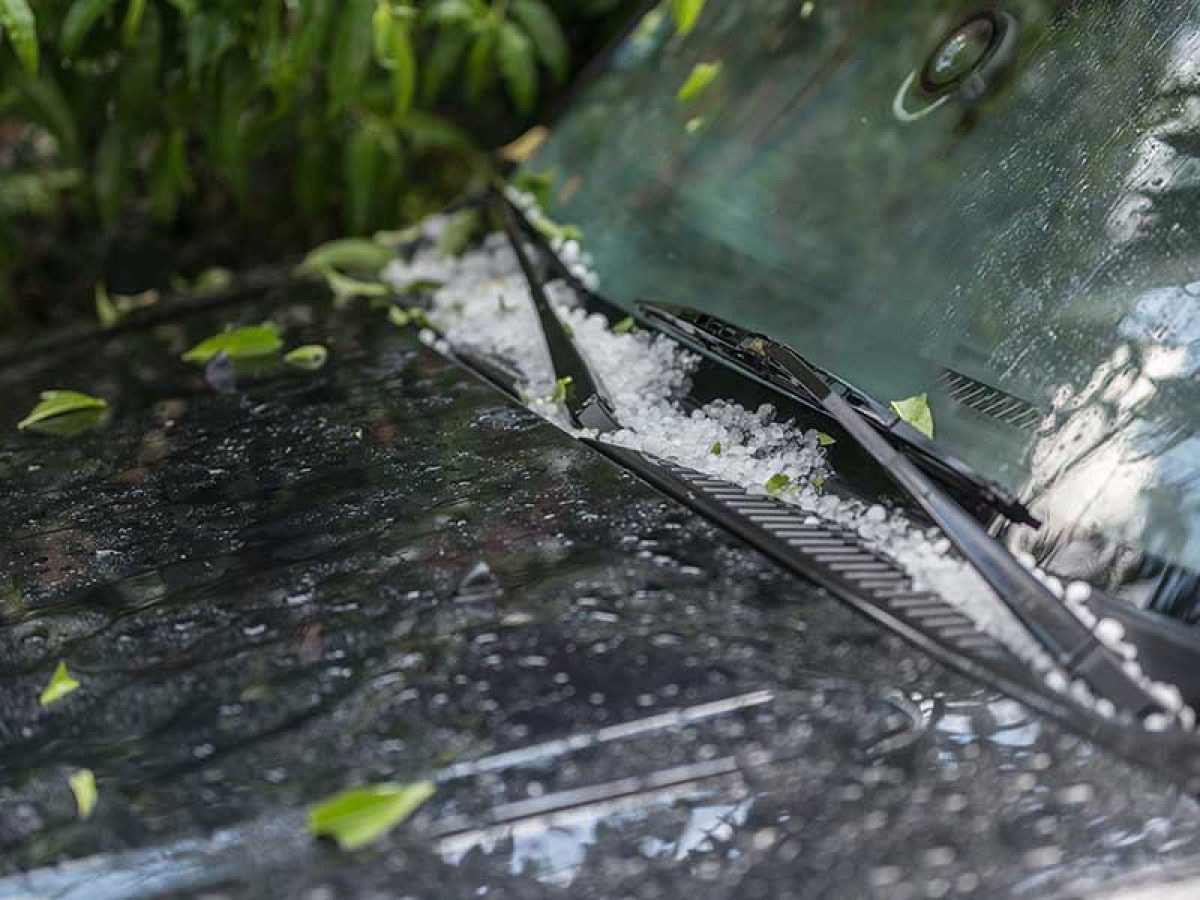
1023, 245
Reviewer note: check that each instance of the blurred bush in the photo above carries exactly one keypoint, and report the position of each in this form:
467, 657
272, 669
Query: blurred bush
144, 138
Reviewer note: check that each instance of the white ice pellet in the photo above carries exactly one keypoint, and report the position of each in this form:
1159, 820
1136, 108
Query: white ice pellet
1156, 722
1077, 592
1168, 696
1110, 632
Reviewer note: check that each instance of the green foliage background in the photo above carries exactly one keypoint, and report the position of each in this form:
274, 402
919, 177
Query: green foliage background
141, 139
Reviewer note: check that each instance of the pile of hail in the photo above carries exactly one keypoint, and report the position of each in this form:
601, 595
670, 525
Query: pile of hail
483, 305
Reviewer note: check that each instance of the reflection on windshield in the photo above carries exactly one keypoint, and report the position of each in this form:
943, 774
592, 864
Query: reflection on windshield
1035, 235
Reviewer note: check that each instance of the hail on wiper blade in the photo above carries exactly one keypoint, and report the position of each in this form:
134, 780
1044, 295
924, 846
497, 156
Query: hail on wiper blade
1068, 641
586, 402
725, 341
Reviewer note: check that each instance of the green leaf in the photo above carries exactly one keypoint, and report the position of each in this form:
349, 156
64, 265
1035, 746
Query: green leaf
515, 54
239, 343
59, 403
540, 184
45, 103
686, 13
361, 166
702, 75
17, 21
560, 389
548, 39
309, 38
83, 786
399, 317
106, 310
777, 484
351, 52
442, 60
625, 326
133, 22
825, 440
715, 449
111, 172
403, 63
346, 288
359, 816
459, 232
479, 64
169, 177
61, 683
451, 12
349, 255
78, 21
212, 279
310, 357
916, 412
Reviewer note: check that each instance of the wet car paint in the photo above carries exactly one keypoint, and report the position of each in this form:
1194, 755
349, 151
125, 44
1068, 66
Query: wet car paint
384, 571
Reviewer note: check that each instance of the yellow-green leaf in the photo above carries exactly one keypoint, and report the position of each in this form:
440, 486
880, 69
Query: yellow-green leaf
17, 21
560, 389
356, 817
238, 343
825, 440
310, 357
916, 412
61, 683
349, 255
702, 75
398, 317
83, 786
459, 232
59, 403
686, 13
715, 449
625, 326
777, 483
106, 310
346, 288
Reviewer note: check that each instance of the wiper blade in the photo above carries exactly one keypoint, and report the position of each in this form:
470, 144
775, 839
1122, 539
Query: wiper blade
1068, 641
727, 342
586, 401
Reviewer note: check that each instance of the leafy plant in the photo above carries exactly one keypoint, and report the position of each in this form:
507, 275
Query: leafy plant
277, 118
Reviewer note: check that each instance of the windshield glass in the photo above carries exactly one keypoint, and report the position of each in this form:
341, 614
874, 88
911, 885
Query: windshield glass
999, 206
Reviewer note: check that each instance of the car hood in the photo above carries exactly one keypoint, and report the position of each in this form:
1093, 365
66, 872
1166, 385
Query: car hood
385, 571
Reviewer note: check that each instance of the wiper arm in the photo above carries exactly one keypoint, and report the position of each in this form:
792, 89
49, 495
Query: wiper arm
586, 402
725, 341
1071, 644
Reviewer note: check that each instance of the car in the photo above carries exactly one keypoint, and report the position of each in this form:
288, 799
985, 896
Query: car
632, 555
